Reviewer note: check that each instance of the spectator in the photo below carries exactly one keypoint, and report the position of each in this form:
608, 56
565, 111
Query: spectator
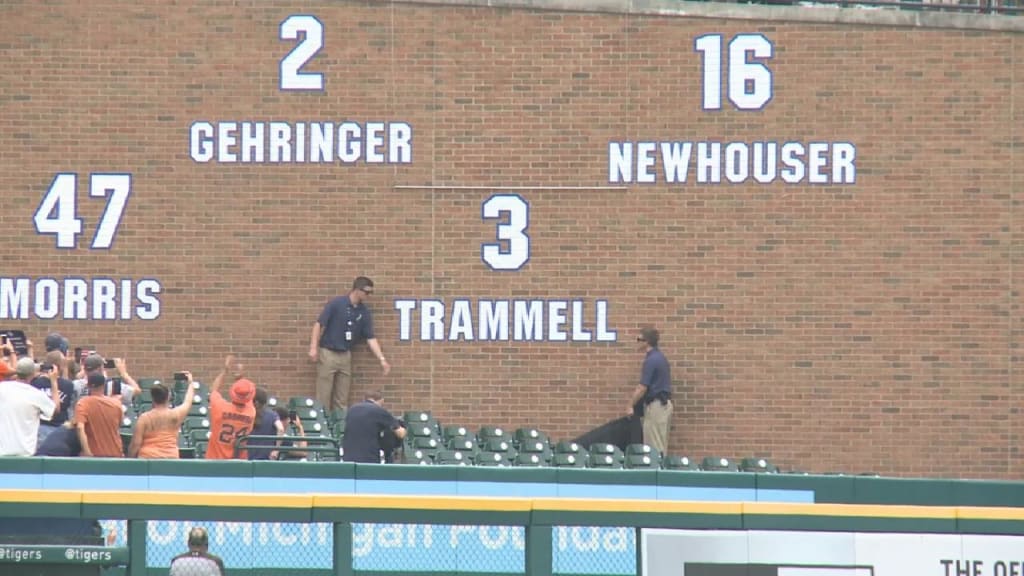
10, 356
229, 421
114, 386
294, 428
156, 431
98, 419
342, 324
197, 561
363, 427
54, 341
62, 442
67, 392
267, 423
21, 407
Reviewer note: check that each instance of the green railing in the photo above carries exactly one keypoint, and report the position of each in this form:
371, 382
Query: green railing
537, 516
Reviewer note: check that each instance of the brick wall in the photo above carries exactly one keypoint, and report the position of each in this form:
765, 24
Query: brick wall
872, 326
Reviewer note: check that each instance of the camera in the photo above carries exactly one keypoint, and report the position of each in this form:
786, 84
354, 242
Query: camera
109, 363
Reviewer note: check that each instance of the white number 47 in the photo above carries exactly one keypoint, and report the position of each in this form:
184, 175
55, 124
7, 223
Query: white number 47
58, 215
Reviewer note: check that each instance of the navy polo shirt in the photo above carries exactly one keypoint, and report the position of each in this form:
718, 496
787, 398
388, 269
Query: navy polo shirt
340, 318
363, 424
656, 375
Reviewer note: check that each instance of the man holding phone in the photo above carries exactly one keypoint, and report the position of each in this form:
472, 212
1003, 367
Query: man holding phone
21, 407
123, 385
56, 362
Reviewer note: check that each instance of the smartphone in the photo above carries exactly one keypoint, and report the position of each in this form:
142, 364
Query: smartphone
45, 367
3, 339
109, 363
292, 416
180, 376
114, 387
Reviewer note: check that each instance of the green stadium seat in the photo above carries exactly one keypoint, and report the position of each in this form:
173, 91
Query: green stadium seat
762, 465
718, 464
417, 458
199, 436
523, 435
492, 459
498, 445
426, 443
643, 461
488, 432
643, 450
197, 423
463, 443
307, 414
198, 410
453, 458
530, 459
413, 417
147, 383
566, 447
424, 428
201, 449
676, 462
337, 415
453, 431
601, 460
605, 449
569, 460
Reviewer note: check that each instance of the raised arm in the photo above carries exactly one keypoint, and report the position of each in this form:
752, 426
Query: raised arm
180, 412
229, 360
122, 369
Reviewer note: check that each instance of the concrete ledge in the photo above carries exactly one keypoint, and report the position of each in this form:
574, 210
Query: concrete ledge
820, 14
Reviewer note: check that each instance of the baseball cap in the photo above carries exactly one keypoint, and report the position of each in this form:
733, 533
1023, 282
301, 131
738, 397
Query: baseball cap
25, 368
97, 379
93, 362
54, 341
242, 391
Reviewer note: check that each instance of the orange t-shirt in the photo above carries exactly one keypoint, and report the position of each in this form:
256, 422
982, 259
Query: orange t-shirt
101, 416
228, 422
160, 439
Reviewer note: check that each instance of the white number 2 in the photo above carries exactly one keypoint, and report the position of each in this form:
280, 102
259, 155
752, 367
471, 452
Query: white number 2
312, 41
57, 213
512, 250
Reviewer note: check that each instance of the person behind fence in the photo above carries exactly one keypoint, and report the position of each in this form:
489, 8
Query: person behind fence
654, 390
98, 419
156, 431
343, 323
197, 561
364, 424
229, 421
62, 442
22, 406
290, 448
66, 387
267, 423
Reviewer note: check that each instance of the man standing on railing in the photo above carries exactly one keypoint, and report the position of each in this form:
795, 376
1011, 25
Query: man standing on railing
197, 561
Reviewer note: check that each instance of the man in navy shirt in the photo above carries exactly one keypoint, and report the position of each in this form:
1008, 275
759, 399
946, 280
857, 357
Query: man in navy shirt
56, 359
343, 323
364, 424
654, 391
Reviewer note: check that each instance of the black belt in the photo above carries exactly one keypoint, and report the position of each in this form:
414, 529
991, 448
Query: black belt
335, 351
662, 397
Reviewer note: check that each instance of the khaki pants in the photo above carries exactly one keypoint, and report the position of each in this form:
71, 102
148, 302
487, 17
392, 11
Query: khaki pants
656, 423
333, 378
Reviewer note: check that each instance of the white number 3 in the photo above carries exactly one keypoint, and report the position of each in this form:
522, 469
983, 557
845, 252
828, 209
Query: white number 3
512, 250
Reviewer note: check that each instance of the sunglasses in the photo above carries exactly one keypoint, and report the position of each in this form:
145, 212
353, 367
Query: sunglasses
365, 291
